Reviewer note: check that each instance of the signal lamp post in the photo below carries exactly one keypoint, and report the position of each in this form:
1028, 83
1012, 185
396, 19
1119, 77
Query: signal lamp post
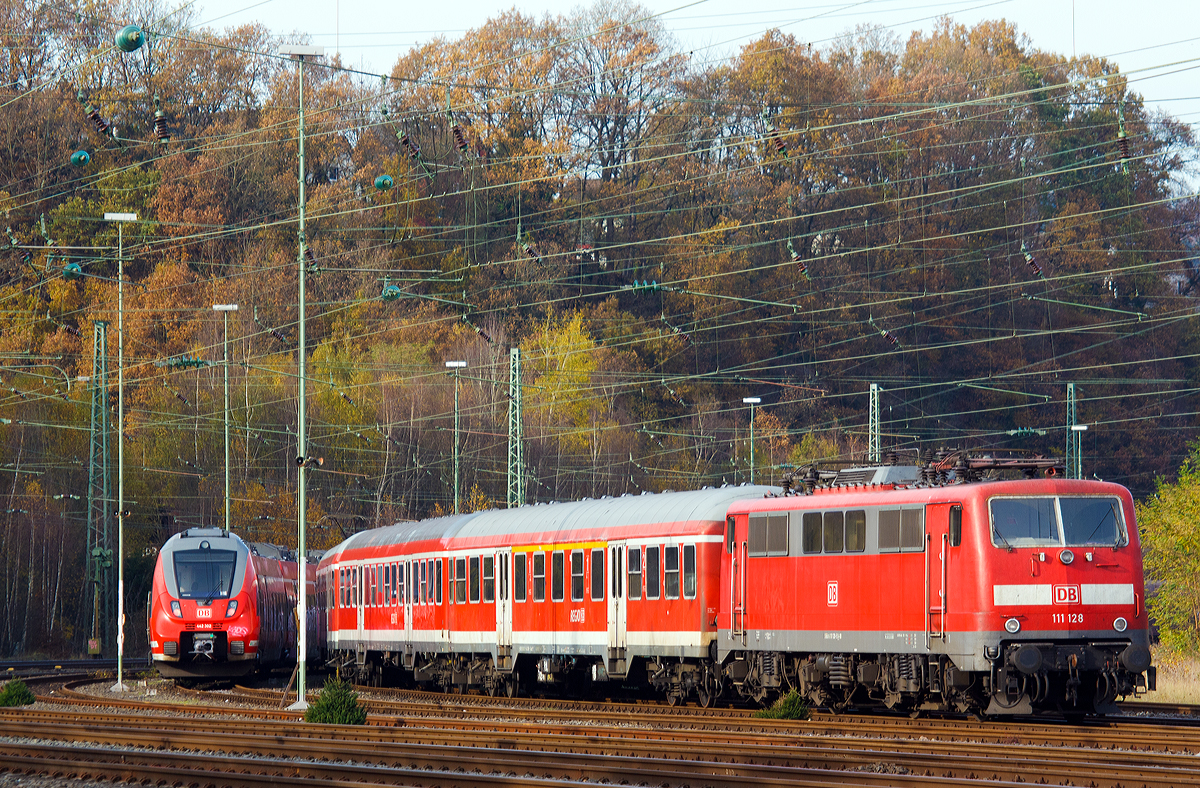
751, 401
456, 366
225, 309
120, 219
300, 53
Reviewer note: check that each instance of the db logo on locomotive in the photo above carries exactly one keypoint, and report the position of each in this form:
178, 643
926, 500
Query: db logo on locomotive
1066, 595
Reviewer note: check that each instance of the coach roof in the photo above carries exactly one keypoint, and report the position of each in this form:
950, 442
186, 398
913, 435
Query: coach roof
627, 510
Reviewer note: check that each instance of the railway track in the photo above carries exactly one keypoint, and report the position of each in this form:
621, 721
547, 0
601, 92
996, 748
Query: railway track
431, 756
470, 740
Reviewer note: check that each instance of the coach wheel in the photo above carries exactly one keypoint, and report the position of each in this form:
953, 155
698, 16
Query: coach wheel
704, 697
510, 686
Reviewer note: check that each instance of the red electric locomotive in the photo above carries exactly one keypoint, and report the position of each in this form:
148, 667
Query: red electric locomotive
882, 587
221, 607
1002, 597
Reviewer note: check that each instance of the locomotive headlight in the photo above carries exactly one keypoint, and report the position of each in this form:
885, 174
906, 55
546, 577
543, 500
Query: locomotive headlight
175, 609
1012, 626
1066, 556
1120, 624
231, 608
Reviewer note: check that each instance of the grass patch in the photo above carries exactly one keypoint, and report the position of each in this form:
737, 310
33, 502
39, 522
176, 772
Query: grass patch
337, 705
1178, 678
16, 693
789, 707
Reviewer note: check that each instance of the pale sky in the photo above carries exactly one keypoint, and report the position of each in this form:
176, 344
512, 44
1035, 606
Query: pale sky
1156, 42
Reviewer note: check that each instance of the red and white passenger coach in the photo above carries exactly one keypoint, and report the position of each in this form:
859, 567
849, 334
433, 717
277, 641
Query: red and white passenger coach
882, 587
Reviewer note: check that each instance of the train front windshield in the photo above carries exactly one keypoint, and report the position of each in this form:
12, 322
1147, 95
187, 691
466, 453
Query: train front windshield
1056, 521
204, 574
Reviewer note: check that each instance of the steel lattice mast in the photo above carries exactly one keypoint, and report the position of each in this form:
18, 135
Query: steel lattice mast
1074, 438
516, 438
874, 444
100, 507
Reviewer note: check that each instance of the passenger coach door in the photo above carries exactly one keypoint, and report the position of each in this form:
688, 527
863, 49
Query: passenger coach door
503, 610
937, 555
360, 596
617, 610
737, 580
408, 592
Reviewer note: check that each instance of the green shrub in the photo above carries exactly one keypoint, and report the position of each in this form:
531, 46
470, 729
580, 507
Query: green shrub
15, 693
337, 705
790, 707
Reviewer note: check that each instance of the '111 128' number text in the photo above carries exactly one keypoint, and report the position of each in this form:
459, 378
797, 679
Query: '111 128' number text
1068, 618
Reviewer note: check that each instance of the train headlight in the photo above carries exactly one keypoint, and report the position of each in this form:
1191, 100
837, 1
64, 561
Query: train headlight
175, 609
1012, 626
1120, 624
1066, 556
231, 608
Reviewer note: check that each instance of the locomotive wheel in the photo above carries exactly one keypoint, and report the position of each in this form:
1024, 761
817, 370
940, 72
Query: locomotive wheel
510, 686
704, 697
673, 699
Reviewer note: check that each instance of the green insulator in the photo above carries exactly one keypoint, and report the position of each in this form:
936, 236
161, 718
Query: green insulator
129, 38
81, 158
72, 271
390, 292
384, 182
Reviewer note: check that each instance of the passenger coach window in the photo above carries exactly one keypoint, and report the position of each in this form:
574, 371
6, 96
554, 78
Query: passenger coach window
652, 573
812, 532
387, 584
671, 571
576, 575
856, 531
557, 581
423, 586
474, 578
460, 581
539, 577
437, 564
834, 530
598, 575
519, 577
489, 578
689, 571
635, 573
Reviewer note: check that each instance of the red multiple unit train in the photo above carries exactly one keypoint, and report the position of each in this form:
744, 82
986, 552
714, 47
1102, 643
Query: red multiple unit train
221, 607
882, 587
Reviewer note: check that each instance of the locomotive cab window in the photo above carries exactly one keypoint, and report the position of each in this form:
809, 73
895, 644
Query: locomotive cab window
955, 526
1075, 521
730, 534
519, 577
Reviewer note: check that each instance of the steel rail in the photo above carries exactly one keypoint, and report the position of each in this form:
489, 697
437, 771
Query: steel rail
665, 763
